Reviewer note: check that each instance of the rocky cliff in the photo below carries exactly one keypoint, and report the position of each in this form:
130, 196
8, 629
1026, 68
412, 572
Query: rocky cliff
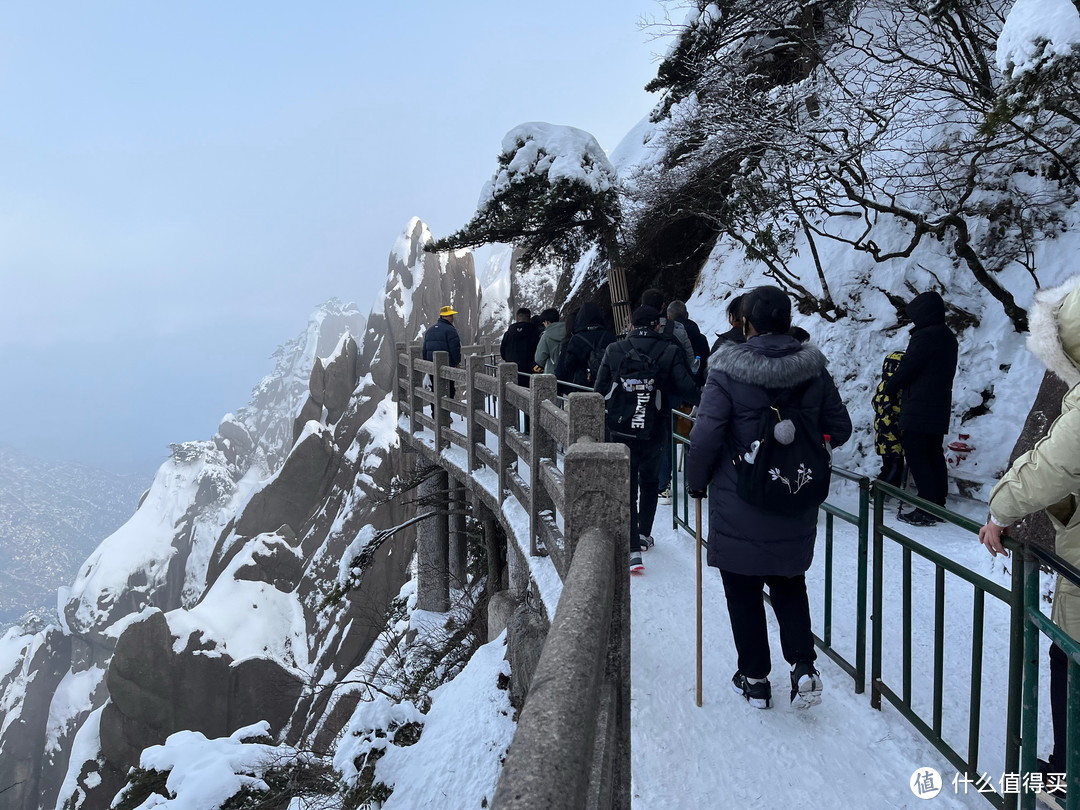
208, 610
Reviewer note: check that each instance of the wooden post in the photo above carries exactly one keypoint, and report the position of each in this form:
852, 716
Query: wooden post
507, 374
620, 303
542, 388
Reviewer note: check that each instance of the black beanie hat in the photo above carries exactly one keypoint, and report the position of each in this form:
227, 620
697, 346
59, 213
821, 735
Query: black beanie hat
645, 316
768, 309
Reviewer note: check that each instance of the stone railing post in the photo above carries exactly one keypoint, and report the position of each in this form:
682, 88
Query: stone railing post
597, 481
401, 376
433, 547
585, 413
416, 383
459, 539
542, 388
507, 374
474, 401
438, 387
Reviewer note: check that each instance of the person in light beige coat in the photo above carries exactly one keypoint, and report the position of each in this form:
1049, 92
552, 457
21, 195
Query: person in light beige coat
1048, 477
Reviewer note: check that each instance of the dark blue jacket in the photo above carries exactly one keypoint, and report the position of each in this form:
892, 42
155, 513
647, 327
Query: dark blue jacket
442, 337
519, 345
744, 538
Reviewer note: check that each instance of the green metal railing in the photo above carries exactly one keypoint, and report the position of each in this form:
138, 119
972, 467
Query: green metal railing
1022, 600
901, 698
681, 518
1035, 622
857, 668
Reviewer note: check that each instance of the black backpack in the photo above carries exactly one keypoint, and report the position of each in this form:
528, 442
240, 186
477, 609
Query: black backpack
788, 468
633, 403
595, 356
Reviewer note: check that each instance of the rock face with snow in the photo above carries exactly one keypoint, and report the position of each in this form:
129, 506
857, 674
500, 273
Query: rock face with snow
418, 285
207, 611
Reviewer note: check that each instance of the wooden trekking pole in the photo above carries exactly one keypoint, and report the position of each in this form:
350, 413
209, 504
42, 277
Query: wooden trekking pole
697, 553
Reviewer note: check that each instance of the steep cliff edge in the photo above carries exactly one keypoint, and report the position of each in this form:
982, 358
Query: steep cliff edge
207, 610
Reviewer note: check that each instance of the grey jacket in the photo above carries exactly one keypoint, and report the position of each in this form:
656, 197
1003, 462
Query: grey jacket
547, 350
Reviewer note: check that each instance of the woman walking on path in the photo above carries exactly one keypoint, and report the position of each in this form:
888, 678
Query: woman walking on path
752, 546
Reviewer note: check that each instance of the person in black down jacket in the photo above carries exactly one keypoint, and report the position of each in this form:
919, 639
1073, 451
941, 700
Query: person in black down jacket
751, 546
589, 340
925, 378
519, 343
442, 336
673, 380
734, 317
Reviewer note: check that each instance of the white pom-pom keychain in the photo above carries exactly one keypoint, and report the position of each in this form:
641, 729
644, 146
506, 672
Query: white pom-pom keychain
784, 431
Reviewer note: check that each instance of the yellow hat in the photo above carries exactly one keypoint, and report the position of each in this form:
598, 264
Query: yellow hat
447, 311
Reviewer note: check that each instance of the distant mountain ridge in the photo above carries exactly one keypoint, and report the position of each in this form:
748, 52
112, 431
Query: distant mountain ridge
52, 516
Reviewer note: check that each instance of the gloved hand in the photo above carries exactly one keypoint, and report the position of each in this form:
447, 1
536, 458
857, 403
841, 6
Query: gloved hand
697, 493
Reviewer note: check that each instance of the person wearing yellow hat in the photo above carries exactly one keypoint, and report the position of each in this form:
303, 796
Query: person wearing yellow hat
442, 336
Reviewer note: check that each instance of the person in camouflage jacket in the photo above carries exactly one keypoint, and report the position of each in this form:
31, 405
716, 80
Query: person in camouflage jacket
887, 434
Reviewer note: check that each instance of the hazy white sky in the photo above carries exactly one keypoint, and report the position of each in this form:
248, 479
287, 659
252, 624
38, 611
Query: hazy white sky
183, 182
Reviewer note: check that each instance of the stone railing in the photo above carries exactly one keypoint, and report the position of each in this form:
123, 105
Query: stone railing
572, 744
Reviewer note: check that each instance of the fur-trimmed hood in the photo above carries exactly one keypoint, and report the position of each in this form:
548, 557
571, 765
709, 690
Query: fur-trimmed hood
771, 361
1054, 320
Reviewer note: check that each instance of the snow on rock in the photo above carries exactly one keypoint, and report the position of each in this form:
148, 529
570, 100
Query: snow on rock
1037, 32
466, 732
73, 698
494, 263
179, 588
418, 285
85, 747
245, 619
204, 773
139, 551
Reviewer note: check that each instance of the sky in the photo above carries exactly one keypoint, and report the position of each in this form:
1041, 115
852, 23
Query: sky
182, 184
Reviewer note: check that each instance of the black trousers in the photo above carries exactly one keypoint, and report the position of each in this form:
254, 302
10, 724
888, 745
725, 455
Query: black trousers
746, 609
645, 457
925, 456
1059, 695
893, 470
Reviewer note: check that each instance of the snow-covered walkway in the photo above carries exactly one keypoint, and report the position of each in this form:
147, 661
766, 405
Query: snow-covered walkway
842, 753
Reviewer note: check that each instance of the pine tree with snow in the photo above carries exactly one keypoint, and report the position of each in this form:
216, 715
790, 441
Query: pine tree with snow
554, 196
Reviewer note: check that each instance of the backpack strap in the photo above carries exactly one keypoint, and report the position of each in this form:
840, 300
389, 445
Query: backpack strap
651, 353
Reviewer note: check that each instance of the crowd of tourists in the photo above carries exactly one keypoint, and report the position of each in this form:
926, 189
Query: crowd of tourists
762, 416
